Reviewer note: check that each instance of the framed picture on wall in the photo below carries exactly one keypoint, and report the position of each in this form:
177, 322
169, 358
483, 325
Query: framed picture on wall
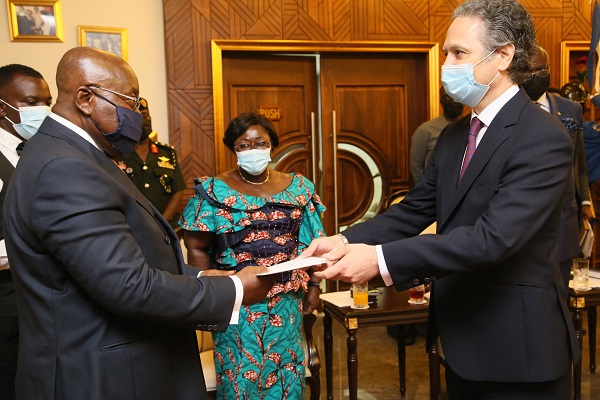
113, 40
35, 20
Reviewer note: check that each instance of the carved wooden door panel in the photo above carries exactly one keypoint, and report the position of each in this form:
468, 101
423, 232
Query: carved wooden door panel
355, 148
371, 105
284, 88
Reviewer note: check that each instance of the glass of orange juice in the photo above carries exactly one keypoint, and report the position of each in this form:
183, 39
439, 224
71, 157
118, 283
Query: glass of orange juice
360, 295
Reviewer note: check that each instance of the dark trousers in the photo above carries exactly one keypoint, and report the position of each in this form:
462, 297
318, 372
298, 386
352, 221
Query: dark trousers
463, 389
9, 342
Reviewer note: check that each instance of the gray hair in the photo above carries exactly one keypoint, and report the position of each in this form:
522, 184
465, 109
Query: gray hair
505, 22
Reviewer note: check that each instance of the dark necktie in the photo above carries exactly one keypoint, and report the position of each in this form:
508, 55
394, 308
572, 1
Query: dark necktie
476, 125
20, 147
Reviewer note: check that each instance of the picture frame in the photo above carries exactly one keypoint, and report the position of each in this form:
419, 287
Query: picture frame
35, 20
570, 52
113, 40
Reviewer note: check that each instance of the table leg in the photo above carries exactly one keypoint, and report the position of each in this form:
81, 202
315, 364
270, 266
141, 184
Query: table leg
578, 322
351, 343
592, 337
328, 339
434, 371
401, 337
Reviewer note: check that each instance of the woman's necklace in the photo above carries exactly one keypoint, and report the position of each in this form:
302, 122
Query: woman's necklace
254, 183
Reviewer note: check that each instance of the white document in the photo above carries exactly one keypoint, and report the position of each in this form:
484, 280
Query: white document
294, 264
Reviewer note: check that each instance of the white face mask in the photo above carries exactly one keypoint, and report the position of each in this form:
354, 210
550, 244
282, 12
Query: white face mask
459, 83
254, 161
31, 119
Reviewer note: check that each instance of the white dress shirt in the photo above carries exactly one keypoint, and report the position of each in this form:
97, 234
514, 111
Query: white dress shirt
8, 147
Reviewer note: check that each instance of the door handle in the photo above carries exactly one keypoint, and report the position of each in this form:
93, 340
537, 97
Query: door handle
335, 173
313, 140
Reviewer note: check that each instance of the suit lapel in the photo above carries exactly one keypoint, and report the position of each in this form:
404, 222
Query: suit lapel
495, 135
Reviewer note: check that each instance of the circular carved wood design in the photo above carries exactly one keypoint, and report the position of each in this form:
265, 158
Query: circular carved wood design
355, 187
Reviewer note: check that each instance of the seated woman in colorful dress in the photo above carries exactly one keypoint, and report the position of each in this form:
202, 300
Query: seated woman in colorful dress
254, 215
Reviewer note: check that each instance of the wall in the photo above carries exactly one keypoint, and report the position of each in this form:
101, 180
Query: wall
143, 20
190, 25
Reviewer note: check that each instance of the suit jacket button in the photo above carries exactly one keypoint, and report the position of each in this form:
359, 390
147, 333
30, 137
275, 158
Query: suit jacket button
426, 280
167, 240
416, 281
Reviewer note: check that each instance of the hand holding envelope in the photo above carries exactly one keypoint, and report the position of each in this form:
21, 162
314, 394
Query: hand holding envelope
294, 264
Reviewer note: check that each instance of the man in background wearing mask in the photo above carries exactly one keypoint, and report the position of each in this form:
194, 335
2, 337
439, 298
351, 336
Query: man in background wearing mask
24, 103
107, 307
494, 185
570, 114
426, 135
155, 171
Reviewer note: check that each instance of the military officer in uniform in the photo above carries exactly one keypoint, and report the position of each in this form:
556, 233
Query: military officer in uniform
154, 169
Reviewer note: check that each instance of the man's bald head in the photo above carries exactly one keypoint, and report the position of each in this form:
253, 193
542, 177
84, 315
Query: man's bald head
92, 84
82, 66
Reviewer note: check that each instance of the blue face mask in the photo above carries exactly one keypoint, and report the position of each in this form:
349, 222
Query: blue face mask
459, 83
31, 119
254, 161
129, 131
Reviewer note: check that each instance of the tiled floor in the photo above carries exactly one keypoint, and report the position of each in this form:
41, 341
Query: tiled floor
378, 366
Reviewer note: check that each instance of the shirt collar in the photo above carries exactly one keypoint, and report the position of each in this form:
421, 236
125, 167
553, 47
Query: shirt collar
74, 128
8, 140
490, 112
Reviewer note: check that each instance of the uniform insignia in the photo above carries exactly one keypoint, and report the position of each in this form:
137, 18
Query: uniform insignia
121, 164
129, 170
153, 148
164, 162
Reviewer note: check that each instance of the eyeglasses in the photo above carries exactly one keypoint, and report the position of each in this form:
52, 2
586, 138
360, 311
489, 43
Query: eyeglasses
136, 100
543, 72
248, 146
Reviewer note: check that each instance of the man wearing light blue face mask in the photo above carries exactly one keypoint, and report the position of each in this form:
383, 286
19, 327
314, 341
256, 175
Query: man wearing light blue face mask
21, 89
495, 185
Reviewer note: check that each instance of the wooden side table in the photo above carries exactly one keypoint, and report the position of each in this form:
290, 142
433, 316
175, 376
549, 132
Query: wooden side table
580, 302
392, 308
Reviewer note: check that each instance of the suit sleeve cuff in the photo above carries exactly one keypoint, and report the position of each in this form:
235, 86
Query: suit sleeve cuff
239, 296
383, 270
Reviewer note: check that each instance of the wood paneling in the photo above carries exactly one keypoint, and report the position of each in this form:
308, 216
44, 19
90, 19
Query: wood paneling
190, 25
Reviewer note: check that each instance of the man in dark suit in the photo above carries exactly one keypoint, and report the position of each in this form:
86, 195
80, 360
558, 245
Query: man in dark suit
107, 307
497, 303
21, 88
577, 202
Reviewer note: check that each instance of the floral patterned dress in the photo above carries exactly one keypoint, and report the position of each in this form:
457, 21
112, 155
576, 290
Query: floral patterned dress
262, 357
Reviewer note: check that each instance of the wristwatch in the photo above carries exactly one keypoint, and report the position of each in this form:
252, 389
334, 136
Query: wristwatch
314, 284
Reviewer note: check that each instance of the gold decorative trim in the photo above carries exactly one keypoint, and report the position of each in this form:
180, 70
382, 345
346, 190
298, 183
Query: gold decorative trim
49, 28
105, 36
566, 47
577, 302
351, 323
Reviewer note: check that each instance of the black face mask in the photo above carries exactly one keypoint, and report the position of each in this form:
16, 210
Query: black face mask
129, 131
536, 86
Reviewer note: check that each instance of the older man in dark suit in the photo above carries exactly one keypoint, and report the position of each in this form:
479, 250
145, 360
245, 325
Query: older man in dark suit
495, 187
108, 309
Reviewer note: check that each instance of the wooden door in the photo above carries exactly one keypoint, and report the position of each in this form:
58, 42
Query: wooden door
285, 89
371, 105
355, 147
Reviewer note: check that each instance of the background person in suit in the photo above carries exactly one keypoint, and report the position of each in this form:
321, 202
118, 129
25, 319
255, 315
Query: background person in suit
21, 88
107, 308
425, 137
497, 302
577, 201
